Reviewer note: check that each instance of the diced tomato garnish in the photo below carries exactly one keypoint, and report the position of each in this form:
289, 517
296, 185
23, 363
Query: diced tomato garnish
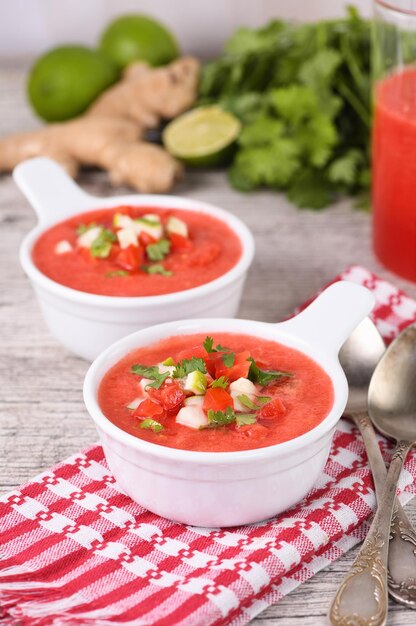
130, 258
171, 396
238, 370
125, 210
273, 409
211, 361
198, 352
114, 252
148, 408
217, 399
180, 243
146, 239
86, 255
252, 431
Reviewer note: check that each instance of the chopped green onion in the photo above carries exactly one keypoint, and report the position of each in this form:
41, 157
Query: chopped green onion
150, 424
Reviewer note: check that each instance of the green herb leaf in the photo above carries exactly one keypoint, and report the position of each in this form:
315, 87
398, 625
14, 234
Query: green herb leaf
221, 418
263, 399
82, 228
156, 269
147, 221
263, 377
222, 382
243, 419
158, 251
150, 424
151, 372
186, 366
228, 359
208, 344
246, 401
101, 246
117, 273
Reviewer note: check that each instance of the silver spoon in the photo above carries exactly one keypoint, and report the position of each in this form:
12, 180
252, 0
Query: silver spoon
359, 357
362, 598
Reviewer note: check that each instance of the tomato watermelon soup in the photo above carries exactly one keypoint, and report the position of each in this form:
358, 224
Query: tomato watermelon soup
137, 251
216, 394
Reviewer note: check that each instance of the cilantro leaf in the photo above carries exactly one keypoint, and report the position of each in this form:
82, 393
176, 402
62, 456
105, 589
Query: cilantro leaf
208, 344
156, 269
221, 418
186, 366
264, 377
222, 382
150, 424
228, 359
311, 190
82, 228
244, 419
157, 251
101, 246
344, 169
151, 372
246, 401
117, 273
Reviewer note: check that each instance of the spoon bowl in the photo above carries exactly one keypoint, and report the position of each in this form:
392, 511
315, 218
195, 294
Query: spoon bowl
392, 391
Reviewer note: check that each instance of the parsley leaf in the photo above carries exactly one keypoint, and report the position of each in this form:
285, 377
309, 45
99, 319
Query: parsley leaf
157, 251
246, 401
221, 418
150, 424
228, 359
151, 372
156, 269
186, 366
263, 377
222, 382
243, 419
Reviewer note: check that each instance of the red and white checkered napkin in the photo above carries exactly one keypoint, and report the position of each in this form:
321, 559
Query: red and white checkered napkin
76, 550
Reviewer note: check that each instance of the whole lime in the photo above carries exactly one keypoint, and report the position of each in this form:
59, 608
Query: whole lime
138, 38
66, 80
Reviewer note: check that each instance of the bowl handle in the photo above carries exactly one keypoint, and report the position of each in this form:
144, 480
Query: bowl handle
49, 189
332, 316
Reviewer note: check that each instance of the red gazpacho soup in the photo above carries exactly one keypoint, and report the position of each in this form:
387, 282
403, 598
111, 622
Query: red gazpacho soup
216, 394
137, 251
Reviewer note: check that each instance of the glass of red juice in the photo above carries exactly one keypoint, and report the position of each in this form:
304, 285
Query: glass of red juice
394, 136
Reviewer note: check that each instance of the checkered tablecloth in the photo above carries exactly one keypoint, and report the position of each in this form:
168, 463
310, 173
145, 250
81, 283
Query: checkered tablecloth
75, 550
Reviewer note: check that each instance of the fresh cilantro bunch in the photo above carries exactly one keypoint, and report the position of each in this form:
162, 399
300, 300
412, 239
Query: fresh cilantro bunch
303, 95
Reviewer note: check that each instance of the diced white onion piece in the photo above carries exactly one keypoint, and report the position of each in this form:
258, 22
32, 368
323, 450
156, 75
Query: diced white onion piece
126, 237
177, 226
144, 382
242, 386
196, 382
154, 230
135, 403
62, 247
87, 239
166, 368
194, 401
123, 221
192, 417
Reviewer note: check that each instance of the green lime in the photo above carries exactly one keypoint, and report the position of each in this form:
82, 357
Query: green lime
202, 137
138, 38
66, 80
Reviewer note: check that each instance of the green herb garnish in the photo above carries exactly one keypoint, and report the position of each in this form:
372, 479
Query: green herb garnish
152, 373
158, 251
221, 418
222, 382
82, 228
147, 221
156, 269
263, 377
150, 424
246, 401
243, 419
228, 359
117, 273
186, 366
209, 346
101, 246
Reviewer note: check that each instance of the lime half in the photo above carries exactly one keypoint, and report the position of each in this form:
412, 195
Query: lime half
202, 137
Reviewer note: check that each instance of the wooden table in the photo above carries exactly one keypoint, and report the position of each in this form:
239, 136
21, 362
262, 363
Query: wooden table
43, 419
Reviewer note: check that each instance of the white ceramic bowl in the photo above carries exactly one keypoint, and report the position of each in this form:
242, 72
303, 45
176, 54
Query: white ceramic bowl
87, 323
233, 488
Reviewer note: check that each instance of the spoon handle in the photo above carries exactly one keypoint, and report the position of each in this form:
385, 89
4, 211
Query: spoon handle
401, 575
362, 597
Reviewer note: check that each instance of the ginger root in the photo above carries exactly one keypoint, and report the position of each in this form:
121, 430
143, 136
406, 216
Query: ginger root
110, 134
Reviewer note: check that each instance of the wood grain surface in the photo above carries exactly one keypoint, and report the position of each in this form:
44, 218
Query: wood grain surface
43, 419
